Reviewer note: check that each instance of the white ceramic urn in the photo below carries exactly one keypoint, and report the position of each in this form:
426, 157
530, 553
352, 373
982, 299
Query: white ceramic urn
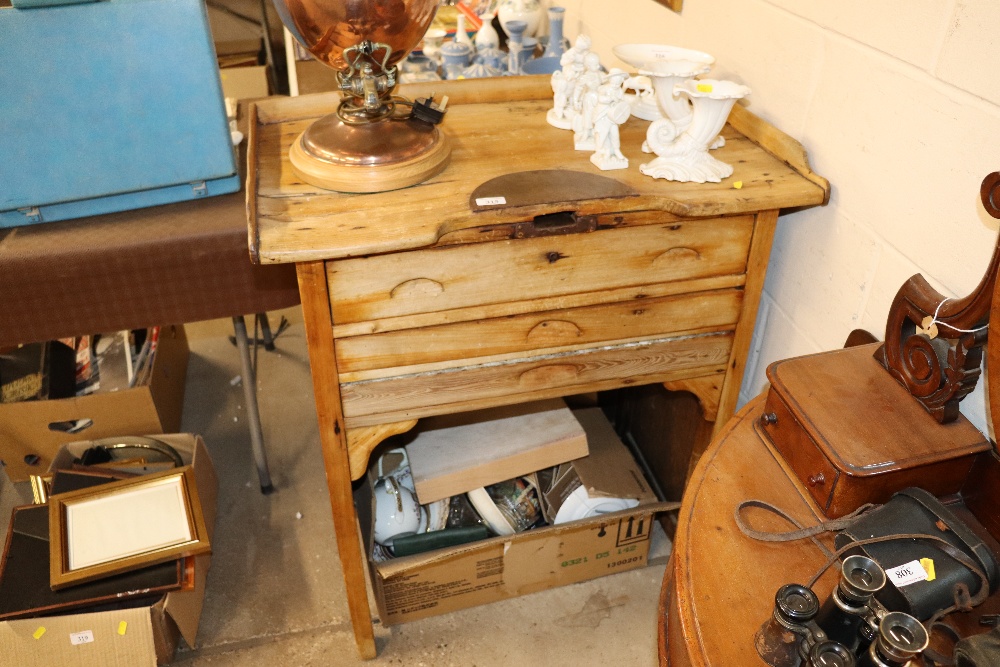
529, 11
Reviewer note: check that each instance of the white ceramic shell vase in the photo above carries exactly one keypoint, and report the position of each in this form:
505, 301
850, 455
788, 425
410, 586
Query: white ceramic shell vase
686, 157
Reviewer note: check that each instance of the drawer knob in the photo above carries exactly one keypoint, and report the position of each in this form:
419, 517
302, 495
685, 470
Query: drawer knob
816, 480
768, 418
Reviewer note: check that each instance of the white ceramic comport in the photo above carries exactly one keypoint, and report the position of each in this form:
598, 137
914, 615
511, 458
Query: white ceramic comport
684, 156
665, 66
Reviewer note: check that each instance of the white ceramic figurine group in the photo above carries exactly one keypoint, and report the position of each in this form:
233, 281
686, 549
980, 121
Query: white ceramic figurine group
686, 119
591, 103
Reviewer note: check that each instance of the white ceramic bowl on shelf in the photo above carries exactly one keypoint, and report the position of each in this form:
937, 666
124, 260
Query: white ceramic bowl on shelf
655, 58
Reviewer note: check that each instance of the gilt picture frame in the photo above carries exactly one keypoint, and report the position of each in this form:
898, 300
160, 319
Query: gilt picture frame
113, 528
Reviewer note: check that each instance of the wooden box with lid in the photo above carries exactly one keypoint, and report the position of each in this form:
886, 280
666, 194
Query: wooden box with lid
811, 417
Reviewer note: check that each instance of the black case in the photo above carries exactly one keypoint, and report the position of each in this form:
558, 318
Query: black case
915, 511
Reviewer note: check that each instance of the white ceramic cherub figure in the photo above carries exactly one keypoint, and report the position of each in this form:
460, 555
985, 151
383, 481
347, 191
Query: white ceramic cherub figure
564, 82
611, 111
585, 102
560, 115
577, 53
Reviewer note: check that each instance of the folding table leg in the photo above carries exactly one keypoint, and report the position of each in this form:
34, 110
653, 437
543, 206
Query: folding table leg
265, 332
253, 415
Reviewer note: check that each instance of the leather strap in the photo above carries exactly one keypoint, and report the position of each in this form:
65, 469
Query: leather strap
801, 531
963, 601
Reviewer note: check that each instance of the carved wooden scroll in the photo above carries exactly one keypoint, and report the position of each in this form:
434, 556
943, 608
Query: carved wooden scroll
933, 344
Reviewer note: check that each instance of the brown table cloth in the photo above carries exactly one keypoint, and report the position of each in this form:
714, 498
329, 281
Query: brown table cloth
169, 264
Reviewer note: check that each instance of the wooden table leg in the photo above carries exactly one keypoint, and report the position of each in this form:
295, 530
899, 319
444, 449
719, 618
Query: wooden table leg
760, 251
671, 646
663, 616
314, 291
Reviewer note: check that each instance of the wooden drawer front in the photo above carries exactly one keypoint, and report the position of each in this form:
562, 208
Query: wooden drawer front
839, 492
803, 456
549, 331
437, 279
423, 394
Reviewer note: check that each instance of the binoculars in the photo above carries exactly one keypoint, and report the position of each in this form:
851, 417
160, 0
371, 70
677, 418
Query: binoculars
851, 628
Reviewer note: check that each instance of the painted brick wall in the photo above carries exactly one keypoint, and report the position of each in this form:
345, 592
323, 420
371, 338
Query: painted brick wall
897, 103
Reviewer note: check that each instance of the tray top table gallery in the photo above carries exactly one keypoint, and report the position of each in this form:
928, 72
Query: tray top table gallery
425, 301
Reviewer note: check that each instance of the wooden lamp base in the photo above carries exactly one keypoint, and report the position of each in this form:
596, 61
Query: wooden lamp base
374, 157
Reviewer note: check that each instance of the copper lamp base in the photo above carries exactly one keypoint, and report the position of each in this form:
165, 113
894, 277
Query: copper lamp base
378, 156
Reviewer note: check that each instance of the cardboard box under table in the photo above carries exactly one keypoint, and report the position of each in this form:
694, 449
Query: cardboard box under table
29, 430
245, 83
445, 580
151, 634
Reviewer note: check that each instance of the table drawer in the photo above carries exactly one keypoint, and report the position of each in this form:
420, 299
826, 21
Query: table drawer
417, 395
541, 332
812, 468
450, 277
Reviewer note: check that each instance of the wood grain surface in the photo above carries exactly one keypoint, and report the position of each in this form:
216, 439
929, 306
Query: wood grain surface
545, 332
291, 221
528, 378
437, 279
724, 582
333, 440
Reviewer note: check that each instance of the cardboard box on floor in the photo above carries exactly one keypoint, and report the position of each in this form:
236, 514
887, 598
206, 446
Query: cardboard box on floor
239, 52
28, 444
151, 634
244, 83
446, 580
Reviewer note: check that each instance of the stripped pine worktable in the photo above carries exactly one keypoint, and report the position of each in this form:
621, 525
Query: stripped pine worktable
421, 302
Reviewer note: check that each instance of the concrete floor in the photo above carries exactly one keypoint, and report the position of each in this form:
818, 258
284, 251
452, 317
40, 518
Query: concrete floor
275, 594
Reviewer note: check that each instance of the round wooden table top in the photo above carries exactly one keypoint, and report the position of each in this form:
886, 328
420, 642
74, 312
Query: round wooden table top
720, 584
719, 587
